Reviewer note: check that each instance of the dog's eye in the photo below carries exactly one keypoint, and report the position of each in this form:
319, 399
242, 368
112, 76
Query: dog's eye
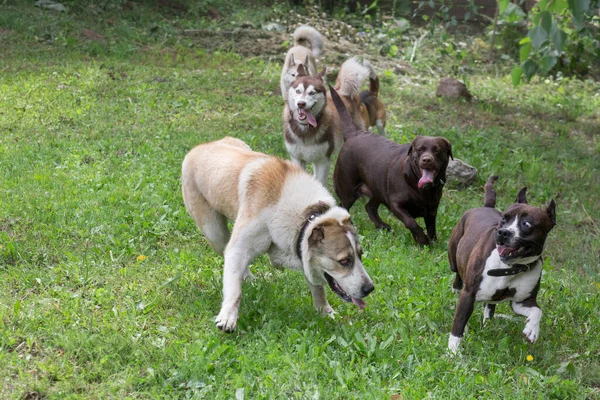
527, 224
298, 91
311, 93
345, 262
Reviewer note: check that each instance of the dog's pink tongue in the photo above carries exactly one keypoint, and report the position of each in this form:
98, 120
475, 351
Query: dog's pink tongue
426, 178
359, 302
311, 120
503, 250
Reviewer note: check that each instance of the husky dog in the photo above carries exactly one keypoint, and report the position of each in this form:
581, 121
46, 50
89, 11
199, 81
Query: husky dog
311, 124
308, 44
375, 110
277, 209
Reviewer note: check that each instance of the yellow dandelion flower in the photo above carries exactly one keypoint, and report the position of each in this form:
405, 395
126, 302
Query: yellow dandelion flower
141, 257
529, 357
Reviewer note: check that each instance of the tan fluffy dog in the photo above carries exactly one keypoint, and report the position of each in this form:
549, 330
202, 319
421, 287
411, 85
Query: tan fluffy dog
277, 209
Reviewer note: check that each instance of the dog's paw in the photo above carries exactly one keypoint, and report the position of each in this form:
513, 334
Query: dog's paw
421, 238
385, 226
226, 321
453, 344
328, 311
531, 332
248, 276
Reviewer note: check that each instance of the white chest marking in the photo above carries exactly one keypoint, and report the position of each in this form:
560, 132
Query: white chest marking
523, 283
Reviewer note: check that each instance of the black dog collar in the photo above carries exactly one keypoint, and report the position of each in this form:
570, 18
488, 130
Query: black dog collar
303, 231
514, 270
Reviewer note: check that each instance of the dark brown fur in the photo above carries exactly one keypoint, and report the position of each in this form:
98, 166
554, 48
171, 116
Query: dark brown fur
388, 173
473, 240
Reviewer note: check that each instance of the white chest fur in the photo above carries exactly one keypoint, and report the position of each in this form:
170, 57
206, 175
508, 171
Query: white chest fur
522, 283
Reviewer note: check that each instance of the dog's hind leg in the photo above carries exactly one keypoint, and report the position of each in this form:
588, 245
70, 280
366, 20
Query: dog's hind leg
458, 284
322, 171
372, 206
488, 312
464, 309
380, 127
212, 223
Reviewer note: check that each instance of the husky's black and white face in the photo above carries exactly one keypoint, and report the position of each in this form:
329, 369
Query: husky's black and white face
307, 98
306, 101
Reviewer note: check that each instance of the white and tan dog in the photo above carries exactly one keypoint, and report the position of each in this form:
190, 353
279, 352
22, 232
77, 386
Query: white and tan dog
308, 44
278, 209
311, 124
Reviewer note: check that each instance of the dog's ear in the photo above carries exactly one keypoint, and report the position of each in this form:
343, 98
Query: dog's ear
412, 145
522, 196
306, 61
551, 210
301, 71
449, 146
317, 234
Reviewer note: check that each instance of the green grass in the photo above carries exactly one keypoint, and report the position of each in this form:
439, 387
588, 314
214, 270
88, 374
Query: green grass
92, 135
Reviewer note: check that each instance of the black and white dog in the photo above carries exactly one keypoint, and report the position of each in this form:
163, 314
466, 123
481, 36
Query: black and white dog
498, 257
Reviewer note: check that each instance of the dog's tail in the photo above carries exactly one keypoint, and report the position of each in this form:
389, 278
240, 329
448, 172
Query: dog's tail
308, 36
490, 192
373, 79
351, 76
348, 128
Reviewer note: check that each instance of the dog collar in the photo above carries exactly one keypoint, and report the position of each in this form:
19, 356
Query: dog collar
303, 231
514, 270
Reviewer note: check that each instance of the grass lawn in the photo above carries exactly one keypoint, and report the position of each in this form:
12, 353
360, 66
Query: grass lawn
108, 289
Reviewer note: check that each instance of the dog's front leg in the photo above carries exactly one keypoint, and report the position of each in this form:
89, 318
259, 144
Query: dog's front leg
244, 246
529, 308
322, 171
410, 223
299, 162
464, 309
430, 225
320, 300
237, 260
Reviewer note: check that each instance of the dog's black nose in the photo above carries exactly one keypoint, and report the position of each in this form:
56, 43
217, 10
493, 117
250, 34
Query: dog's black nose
301, 104
503, 235
427, 159
367, 288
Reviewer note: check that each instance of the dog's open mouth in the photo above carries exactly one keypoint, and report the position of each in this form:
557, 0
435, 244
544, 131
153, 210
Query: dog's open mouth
427, 177
343, 295
510, 252
305, 115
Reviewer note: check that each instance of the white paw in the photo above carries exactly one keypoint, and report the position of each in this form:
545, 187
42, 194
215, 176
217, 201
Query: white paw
531, 332
327, 311
456, 291
248, 277
226, 321
453, 343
